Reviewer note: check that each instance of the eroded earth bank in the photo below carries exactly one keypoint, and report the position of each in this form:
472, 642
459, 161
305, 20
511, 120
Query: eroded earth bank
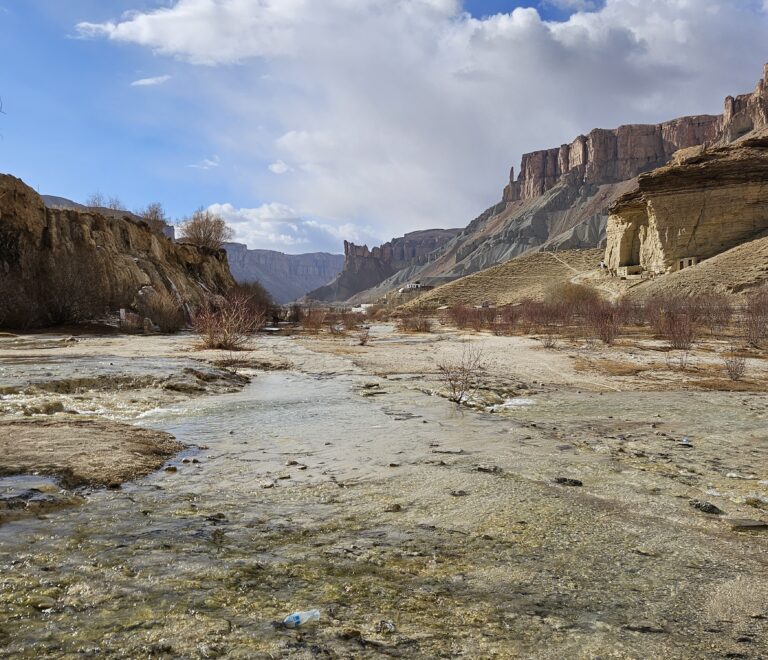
572, 515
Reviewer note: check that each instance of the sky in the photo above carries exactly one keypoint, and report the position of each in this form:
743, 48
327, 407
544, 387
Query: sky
308, 122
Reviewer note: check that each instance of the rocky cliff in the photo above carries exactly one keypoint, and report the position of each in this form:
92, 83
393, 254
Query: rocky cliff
706, 202
287, 277
366, 268
58, 263
560, 198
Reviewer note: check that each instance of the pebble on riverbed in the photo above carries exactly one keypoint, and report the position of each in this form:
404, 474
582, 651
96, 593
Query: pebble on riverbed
706, 507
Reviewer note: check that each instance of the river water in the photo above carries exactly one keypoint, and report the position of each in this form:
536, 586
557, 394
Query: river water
417, 530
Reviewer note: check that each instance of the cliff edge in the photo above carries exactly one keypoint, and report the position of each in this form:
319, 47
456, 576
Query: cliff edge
56, 264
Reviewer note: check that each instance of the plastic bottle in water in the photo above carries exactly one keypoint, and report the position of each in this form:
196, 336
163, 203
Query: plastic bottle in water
300, 618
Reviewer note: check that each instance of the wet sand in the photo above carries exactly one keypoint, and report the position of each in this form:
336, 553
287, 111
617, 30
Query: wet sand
573, 526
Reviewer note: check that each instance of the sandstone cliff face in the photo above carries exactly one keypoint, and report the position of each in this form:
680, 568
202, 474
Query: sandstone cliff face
287, 277
561, 197
365, 268
708, 202
48, 256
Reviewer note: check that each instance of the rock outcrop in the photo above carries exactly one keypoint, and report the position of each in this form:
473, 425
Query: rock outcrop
365, 268
708, 201
55, 260
287, 277
560, 199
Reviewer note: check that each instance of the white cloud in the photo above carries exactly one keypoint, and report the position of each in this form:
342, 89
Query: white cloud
406, 114
277, 226
279, 167
574, 5
206, 164
150, 82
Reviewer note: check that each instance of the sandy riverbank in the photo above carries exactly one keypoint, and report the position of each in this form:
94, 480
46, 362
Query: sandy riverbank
575, 525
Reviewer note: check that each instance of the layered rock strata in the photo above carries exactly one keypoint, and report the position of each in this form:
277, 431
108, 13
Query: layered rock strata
708, 201
365, 268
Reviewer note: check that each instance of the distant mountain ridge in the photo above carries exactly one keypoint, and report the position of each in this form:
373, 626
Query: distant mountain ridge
365, 268
287, 277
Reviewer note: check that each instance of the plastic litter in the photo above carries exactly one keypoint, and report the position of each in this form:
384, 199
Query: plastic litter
301, 618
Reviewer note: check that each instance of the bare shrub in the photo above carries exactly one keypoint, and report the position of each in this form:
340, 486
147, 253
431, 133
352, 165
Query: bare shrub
717, 312
164, 310
679, 362
154, 215
376, 313
734, 362
680, 329
255, 295
227, 323
351, 320
505, 322
414, 322
570, 294
459, 315
756, 318
605, 320
461, 377
654, 310
69, 296
549, 340
206, 229
363, 337
295, 313
313, 320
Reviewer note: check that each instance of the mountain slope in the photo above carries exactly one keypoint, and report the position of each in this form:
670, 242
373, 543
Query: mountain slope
287, 277
561, 197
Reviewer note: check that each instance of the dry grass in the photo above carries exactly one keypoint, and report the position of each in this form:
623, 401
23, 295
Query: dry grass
528, 277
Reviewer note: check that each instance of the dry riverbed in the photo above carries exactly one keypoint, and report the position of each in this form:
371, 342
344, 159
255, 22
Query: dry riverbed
581, 518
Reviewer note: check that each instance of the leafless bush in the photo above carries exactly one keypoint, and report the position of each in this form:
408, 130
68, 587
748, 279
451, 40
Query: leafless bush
255, 296
461, 377
313, 320
756, 318
414, 322
572, 295
164, 310
604, 319
655, 310
679, 362
295, 313
549, 340
363, 336
206, 229
376, 313
735, 363
154, 215
351, 320
459, 315
717, 312
680, 329
227, 323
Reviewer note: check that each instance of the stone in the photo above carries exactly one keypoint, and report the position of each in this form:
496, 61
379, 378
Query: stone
746, 525
394, 508
706, 507
459, 493
567, 481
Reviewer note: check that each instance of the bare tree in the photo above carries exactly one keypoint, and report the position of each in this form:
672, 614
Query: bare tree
96, 200
154, 215
461, 377
206, 229
227, 324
